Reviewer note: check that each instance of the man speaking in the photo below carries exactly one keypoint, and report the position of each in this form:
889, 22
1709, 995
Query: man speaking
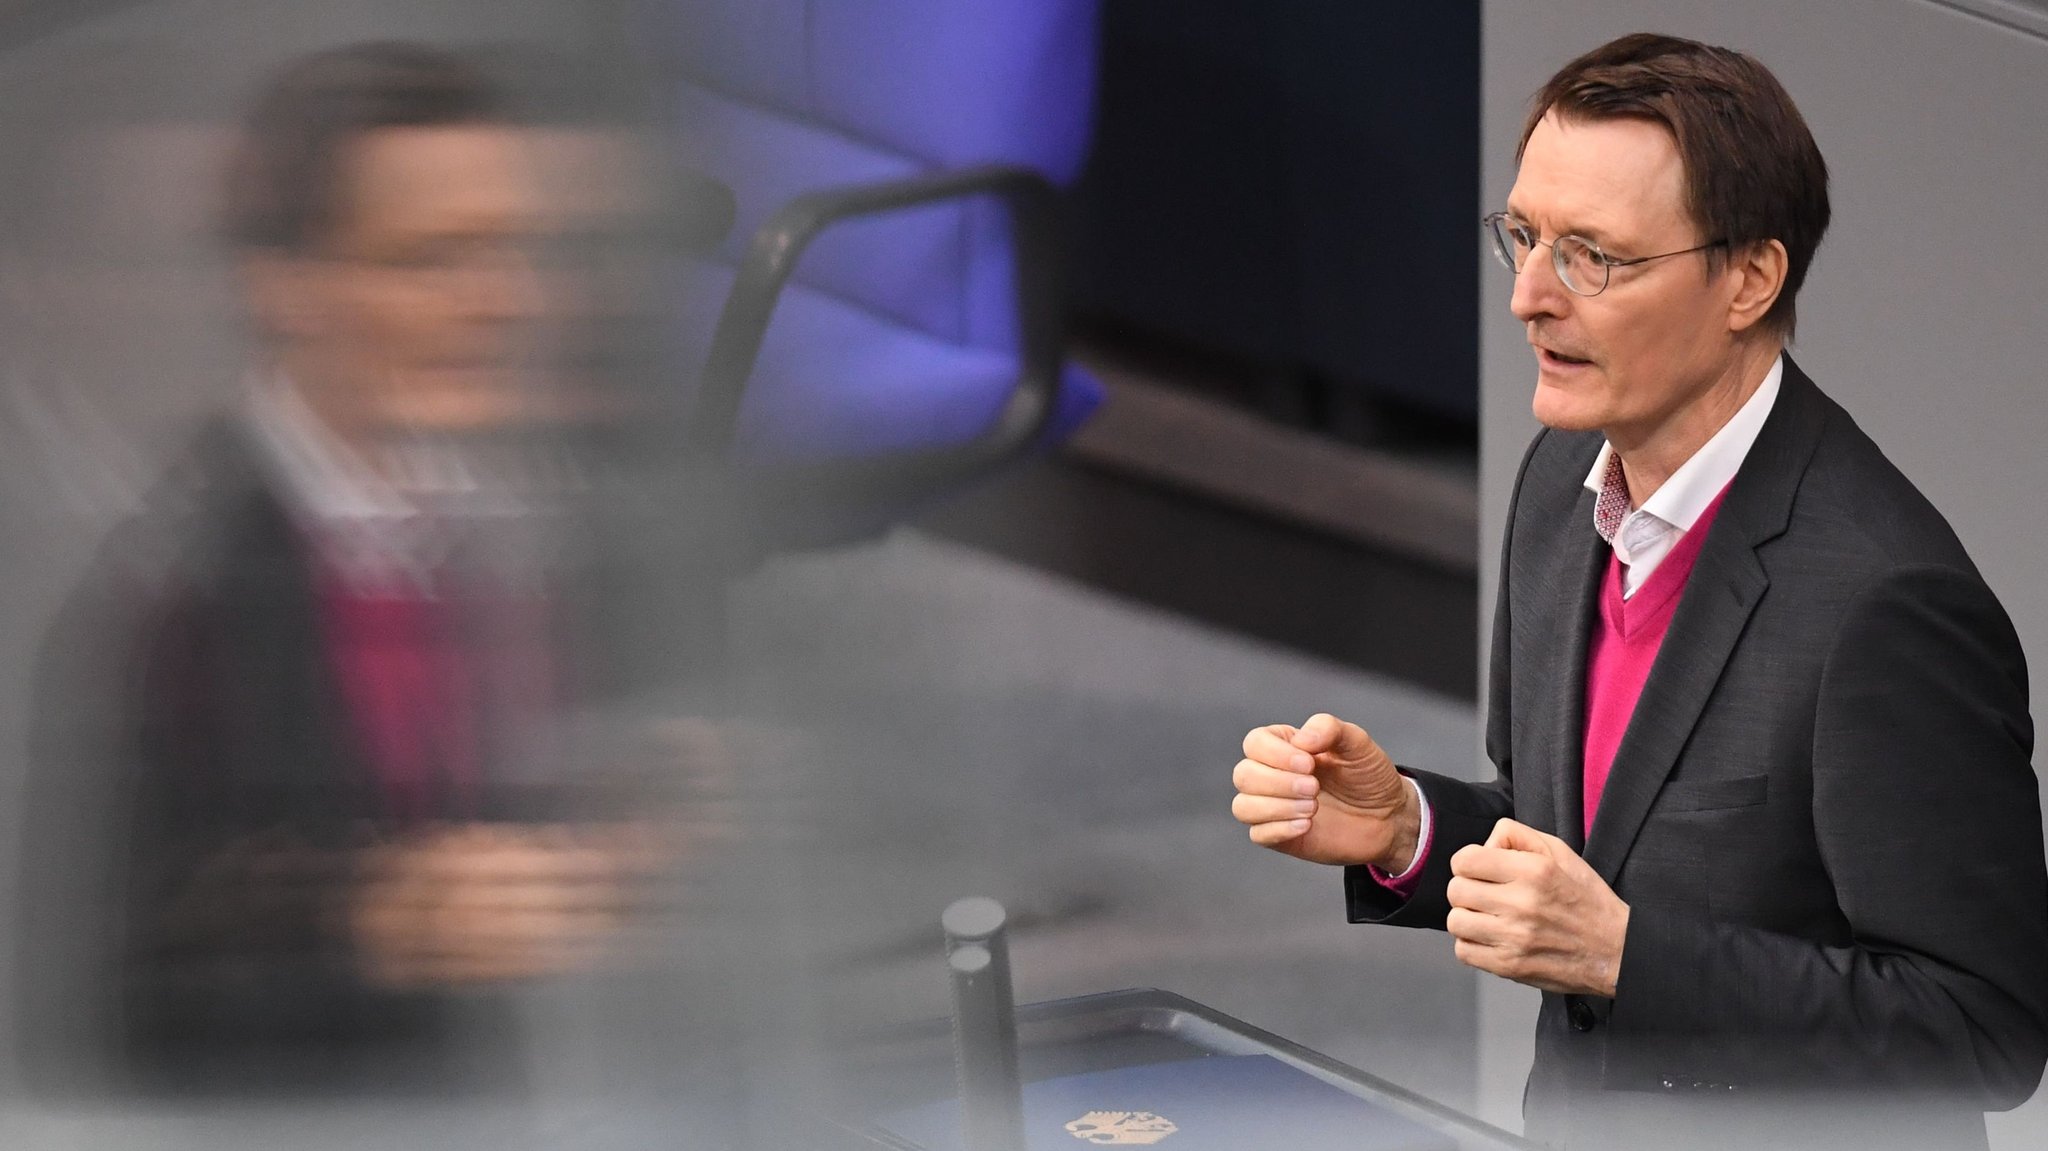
1765, 832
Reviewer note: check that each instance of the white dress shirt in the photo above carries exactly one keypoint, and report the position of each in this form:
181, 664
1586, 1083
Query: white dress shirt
380, 526
1648, 533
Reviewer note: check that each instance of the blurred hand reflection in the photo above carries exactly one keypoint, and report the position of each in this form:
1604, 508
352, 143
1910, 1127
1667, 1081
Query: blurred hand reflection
482, 902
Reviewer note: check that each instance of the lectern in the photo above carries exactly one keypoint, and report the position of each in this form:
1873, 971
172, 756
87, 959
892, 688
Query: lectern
1123, 1068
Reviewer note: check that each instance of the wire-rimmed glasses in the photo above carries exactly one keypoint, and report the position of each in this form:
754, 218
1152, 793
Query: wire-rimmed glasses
1581, 264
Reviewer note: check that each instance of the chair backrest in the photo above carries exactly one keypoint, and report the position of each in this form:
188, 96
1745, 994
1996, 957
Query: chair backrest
779, 97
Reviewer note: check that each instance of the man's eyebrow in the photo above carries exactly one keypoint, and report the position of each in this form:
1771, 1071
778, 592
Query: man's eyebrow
1597, 235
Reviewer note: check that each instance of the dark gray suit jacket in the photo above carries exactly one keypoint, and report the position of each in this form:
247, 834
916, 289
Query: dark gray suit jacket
1822, 816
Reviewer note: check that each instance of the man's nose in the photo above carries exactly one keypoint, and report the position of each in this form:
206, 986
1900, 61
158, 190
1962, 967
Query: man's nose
1538, 290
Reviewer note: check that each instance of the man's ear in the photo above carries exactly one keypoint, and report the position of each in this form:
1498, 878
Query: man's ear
284, 293
1756, 276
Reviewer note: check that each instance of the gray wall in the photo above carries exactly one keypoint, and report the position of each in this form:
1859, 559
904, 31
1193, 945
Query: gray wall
1923, 314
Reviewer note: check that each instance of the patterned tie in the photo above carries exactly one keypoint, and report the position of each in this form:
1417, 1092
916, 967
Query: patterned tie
1612, 507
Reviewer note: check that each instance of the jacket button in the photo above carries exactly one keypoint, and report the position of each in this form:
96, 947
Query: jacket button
1580, 1013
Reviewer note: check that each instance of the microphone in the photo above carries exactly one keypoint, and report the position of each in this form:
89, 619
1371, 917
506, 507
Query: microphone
984, 1025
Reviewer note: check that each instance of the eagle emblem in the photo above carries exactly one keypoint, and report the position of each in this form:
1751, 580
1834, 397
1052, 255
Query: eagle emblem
1121, 1128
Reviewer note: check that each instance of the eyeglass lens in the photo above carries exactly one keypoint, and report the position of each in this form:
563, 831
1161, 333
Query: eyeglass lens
1579, 265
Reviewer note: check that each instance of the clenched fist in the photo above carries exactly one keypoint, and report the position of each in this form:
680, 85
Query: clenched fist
1325, 792
1526, 907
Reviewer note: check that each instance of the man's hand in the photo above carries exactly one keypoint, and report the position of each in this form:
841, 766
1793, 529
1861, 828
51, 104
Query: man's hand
1525, 907
1325, 792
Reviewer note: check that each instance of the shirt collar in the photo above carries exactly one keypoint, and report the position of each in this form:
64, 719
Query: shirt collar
324, 479
1694, 485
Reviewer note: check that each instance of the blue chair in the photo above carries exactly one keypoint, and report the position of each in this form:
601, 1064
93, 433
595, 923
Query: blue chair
891, 289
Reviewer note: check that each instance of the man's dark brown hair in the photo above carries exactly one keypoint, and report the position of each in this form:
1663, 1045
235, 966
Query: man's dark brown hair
1752, 170
286, 185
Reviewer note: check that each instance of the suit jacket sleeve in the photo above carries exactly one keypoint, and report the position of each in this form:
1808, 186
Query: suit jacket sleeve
1464, 812
1927, 816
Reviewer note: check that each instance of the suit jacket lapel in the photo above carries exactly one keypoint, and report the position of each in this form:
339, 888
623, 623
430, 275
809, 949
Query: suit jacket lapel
1726, 583
287, 703
1581, 562
1724, 588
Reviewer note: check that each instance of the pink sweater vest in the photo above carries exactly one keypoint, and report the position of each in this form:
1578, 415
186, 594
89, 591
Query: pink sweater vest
1624, 647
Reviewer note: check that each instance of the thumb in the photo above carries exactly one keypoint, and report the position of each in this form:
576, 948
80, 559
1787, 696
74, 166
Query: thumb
1325, 734
1518, 837
1320, 734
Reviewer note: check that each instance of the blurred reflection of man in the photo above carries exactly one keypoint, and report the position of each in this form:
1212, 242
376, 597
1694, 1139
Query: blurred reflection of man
301, 800
1765, 832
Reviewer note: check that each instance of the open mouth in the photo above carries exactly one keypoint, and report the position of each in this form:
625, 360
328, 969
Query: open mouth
1559, 359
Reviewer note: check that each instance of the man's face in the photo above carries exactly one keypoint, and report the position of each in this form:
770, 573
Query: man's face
419, 308
1629, 359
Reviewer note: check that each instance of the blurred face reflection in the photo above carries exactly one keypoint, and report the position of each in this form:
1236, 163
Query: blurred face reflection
414, 314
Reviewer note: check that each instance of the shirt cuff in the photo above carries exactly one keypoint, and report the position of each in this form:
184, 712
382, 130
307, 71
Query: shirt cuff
1405, 883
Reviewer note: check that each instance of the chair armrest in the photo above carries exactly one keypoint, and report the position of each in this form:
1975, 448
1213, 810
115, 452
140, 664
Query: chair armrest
779, 243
